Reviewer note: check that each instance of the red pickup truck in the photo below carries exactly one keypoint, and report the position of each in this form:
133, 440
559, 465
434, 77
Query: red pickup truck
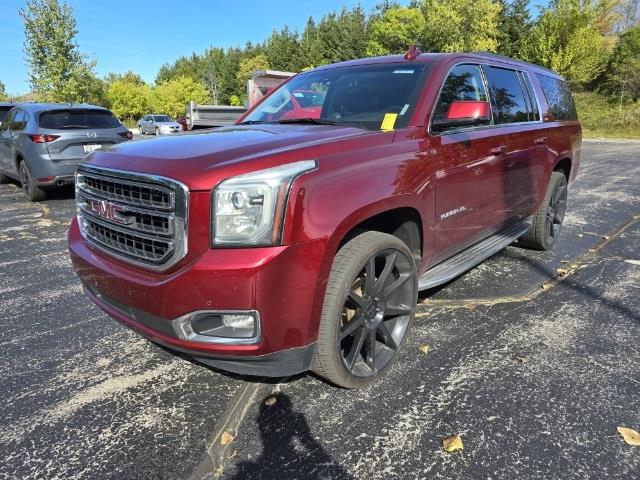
288, 243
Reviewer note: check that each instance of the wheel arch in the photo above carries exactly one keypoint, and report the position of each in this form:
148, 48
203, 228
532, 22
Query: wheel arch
564, 165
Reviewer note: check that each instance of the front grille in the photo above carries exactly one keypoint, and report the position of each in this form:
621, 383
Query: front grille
136, 217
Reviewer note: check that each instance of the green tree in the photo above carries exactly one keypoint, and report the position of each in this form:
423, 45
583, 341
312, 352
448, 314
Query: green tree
395, 30
514, 26
460, 25
59, 72
3, 91
622, 77
569, 38
129, 76
281, 50
311, 51
172, 96
129, 100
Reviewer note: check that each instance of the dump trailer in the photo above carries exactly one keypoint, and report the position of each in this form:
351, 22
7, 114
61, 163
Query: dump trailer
211, 116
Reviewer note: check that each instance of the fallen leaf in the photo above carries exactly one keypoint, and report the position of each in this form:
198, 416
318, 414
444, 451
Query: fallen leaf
453, 443
591, 250
226, 438
574, 265
561, 271
270, 401
606, 237
424, 348
522, 359
545, 286
630, 436
633, 262
580, 235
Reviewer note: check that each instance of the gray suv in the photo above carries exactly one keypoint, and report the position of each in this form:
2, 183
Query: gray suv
41, 144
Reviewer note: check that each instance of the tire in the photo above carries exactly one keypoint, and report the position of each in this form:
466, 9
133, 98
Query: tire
357, 314
141, 130
157, 131
547, 222
32, 191
4, 179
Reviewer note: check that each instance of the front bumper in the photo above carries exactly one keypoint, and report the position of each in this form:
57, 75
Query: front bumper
283, 283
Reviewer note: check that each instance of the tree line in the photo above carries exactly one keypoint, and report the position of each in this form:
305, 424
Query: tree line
595, 44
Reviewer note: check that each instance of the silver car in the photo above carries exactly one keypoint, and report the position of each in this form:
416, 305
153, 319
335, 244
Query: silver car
41, 144
158, 125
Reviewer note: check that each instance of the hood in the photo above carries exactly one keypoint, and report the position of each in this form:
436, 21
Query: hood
196, 159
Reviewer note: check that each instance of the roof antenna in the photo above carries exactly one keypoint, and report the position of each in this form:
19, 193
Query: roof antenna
412, 53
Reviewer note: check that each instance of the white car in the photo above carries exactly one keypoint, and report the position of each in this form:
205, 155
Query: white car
158, 125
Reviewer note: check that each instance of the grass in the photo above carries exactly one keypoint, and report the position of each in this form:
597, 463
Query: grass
603, 118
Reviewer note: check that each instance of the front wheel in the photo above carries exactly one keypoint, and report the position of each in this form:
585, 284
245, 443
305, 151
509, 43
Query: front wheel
547, 222
157, 131
368, 310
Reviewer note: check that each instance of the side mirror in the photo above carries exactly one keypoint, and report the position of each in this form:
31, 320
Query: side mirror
464, 113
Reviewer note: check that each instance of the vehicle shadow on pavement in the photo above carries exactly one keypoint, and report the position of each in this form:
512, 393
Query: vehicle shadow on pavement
285, 436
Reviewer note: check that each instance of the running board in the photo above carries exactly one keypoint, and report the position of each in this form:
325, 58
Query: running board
472, 256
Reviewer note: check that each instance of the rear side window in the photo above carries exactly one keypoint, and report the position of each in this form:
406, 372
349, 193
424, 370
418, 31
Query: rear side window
558, 97
19, 121
507, 97
464, 82
77, 119
534, 114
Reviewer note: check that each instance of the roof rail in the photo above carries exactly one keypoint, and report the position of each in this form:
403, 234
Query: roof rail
497, 56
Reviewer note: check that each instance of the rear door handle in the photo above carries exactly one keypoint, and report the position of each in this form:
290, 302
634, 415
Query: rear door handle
499, 150
540, 141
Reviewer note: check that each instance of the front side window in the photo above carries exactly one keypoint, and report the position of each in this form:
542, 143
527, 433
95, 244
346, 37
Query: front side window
78, 119
507, 97
6, 123
558, 97
374, 97
464, 83
3, 112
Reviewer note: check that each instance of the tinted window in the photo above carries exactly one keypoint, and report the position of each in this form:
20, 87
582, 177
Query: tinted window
3, 112
558, 97
162, 118
534, 114
7, 121
19, 121
77, 119
507, 96
464, 82
372, 96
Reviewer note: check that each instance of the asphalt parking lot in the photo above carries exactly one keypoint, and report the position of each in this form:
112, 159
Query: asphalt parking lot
533, 366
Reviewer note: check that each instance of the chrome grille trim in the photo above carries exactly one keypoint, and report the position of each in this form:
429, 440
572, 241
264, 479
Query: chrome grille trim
150, 229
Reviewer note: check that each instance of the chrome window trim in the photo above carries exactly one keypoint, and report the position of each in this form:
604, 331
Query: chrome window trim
181, 215
480, 63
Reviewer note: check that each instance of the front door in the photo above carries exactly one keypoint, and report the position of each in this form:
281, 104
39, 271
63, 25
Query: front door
468, 162
7, 153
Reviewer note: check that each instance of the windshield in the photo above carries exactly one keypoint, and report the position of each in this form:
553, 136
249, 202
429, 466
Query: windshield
77, 119
161, 118
3, 112
372, 96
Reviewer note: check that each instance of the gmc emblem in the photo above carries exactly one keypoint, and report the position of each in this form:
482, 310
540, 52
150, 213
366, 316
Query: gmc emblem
109, 211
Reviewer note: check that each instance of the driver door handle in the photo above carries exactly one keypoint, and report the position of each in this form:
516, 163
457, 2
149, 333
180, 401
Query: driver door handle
499, 150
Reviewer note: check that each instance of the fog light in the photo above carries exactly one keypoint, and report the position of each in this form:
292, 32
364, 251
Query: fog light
219, 327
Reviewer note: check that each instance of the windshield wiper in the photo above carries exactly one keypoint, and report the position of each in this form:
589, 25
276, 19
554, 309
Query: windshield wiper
252, 122
312, 121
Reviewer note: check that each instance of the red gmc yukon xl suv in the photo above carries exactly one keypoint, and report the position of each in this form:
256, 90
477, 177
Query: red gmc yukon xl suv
292, 242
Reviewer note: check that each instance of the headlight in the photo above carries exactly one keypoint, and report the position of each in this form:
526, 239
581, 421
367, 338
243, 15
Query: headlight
248, 209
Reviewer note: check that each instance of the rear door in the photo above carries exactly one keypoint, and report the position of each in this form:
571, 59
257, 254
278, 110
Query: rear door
469, 164
79, 132
516, 108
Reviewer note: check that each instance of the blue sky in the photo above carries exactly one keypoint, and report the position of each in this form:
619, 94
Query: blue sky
143, 35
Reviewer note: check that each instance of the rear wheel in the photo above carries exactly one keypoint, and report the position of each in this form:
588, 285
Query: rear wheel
547, 223
4, 179
33, 192
368, 310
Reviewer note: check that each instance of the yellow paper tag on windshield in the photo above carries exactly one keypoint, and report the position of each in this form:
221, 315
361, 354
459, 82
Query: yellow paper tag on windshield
388, 121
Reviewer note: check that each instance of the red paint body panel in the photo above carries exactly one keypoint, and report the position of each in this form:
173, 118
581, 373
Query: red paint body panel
463, 186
